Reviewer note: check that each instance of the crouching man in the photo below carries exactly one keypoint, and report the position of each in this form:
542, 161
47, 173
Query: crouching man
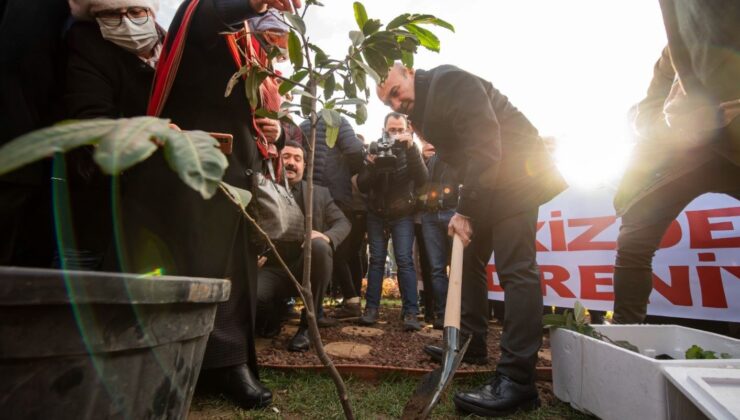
330, 227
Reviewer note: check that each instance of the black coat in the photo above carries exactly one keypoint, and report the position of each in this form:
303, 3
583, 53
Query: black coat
503, 164
335, 166
393, 195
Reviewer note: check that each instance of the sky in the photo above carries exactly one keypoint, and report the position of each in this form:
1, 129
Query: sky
573, 67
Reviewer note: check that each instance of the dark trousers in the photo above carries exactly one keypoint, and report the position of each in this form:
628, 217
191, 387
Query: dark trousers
512, 241
274, 285
357, 258
644, 225
437, 248
341, 269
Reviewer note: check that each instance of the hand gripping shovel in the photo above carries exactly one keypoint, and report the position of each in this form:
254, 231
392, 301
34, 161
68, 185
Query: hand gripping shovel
433, 384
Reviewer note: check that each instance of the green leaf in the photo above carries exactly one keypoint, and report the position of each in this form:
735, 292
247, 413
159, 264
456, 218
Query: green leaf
197, 160
320, 58
398, 21
407, 58
358, 77
45, 142
361, 114
427, 39
349, 88
331, 117
306, 103
294, 50
371, 26
407, 18
553, 320
377, 62
261, 112
694, 352
129, 143
725, 356
287, 85
234, 80
352, 101
296, 22
240, 196
331, 136
356, 37
579, 311
372, 73
627, 345
360, 14
329, 85
569, 321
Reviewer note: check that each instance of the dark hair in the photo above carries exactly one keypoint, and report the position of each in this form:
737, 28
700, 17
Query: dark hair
293, 143
396, 115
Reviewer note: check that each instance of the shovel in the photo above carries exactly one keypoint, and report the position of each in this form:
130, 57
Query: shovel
433, 384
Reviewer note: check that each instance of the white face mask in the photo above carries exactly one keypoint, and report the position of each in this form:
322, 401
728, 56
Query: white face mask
131, 37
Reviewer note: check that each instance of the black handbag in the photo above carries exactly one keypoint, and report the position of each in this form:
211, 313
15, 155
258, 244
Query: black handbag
275, 208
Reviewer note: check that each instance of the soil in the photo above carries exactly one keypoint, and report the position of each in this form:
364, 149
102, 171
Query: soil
394, 348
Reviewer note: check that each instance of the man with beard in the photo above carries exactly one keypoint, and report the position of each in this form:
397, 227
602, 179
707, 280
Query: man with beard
505, 174
330, 227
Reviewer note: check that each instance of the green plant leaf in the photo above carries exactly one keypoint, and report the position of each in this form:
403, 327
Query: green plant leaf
553, 320
371, 26
725, 356
407, 59
45, 142
234, 80
361, 114
349, 88
356, 37
296, 22
569, 321
627, 345
708, 354
332, 120
197, 160
360, 14
694, 352
351, 101
329, 85
129, 143
426, 38
377, 62
398, 21
240, 196
579, 311
262, 112
287, 85
294, 51
372, 73
306, 101
320, 58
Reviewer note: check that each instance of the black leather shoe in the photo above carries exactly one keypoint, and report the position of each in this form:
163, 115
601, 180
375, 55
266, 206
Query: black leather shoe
327, 322
500, 397
300, 341
370, 317
238, 384
436, 353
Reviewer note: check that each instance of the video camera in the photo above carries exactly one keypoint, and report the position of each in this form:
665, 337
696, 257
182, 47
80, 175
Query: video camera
385, 160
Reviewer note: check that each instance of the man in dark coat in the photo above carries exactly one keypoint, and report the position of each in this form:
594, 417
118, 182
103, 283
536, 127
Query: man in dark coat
333, 169
506, 174
168, 225
330, 228
689, 131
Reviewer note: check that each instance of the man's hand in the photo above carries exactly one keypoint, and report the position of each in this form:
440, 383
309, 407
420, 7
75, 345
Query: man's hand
261, 261
461, 225
316, 234
406, 139
371, 158
260, 6
270, 128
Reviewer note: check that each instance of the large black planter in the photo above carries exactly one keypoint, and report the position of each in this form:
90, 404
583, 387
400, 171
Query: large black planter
92, 345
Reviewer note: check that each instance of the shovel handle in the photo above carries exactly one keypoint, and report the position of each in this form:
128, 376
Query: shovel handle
454, 288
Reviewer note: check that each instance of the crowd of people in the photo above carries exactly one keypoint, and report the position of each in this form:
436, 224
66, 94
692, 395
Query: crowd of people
455, 157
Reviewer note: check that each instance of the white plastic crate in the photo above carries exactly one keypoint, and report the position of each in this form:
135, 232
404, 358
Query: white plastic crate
614, 383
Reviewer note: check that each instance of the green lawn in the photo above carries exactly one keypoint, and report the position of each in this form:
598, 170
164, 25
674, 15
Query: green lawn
305, 395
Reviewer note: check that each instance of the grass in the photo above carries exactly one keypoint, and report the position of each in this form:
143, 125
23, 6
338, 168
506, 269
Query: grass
305, 395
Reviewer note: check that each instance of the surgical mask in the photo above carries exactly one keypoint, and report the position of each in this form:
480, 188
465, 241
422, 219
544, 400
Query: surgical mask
131, 37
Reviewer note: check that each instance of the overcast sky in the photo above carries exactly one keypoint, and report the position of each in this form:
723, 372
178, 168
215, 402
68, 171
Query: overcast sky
574, 67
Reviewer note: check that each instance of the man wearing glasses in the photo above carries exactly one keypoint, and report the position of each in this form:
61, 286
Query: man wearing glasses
394, 169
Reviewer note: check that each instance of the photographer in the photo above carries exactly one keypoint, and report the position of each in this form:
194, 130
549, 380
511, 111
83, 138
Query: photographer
393, 170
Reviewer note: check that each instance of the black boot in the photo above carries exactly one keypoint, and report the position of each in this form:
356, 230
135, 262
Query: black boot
500, 397
300, 341
238, 384
632, 289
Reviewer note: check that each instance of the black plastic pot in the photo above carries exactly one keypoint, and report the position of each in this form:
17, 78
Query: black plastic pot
92, 345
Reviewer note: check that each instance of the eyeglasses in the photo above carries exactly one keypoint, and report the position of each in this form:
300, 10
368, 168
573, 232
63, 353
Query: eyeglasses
113, 18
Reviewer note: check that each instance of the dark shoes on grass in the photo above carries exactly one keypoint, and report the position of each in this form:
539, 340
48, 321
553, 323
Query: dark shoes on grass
238, 384
501, 396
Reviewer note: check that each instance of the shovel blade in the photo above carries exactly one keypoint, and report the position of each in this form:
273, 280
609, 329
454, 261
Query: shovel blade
433, 384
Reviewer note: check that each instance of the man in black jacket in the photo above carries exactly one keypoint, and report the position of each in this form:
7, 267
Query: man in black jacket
506, 173
330, 229
390, 178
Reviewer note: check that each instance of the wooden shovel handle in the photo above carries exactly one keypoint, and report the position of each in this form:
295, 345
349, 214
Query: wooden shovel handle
454, 288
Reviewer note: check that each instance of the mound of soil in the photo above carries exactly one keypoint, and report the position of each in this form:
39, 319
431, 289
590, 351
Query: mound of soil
394, 348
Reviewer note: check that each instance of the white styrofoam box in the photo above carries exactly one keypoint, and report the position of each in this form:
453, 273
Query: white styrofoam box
614, 383
694, 392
